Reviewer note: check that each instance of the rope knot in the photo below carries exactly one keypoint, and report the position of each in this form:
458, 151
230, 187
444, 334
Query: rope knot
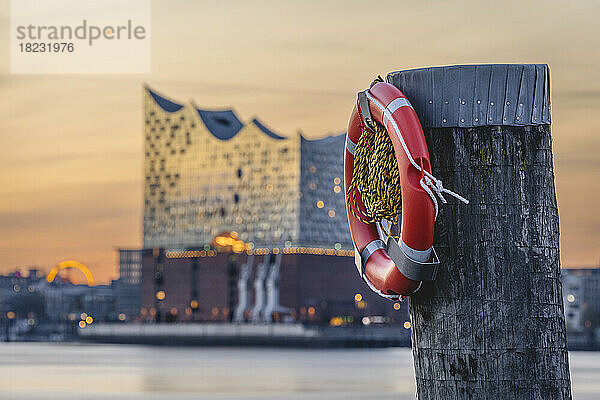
429, 182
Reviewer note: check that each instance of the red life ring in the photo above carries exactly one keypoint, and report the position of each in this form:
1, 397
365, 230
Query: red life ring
395, 269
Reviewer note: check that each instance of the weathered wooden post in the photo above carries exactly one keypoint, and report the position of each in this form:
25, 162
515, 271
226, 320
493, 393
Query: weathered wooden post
492, 324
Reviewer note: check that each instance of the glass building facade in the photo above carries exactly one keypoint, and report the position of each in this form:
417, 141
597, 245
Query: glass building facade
206, 172
128, 287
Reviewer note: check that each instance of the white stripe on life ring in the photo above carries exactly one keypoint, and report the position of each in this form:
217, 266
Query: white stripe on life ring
394, 106
371, 248
350, 145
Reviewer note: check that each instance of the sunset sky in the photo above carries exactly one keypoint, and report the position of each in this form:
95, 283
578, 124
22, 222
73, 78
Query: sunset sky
71, 145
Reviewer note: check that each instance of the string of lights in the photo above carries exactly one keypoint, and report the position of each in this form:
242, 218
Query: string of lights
264, 251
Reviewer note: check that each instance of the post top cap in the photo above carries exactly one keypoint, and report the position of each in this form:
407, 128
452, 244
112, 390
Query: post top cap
477, 95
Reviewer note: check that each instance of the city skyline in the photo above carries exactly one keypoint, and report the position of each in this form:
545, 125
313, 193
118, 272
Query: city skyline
73, 144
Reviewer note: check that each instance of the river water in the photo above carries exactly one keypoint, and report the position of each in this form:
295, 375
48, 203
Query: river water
84, 371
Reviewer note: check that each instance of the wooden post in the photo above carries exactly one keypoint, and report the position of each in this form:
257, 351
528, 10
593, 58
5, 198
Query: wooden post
492, 324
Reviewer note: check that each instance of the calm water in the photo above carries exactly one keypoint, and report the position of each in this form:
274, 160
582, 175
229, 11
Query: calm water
60, 371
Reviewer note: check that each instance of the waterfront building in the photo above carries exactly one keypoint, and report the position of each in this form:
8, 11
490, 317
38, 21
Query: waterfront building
34, 308
67, 301
581, 297
20, 296
207, 171
128, 286
244, 224
16, 282
291, 284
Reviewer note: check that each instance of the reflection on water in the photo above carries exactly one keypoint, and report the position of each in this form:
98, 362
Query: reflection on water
67, 371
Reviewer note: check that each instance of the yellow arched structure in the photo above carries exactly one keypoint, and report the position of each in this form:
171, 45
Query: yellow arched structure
71, 264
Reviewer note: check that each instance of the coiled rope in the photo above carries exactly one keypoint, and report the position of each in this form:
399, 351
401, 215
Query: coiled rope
375, 177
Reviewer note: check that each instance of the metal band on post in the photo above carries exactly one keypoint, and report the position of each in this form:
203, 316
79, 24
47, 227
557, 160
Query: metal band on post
477, 95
